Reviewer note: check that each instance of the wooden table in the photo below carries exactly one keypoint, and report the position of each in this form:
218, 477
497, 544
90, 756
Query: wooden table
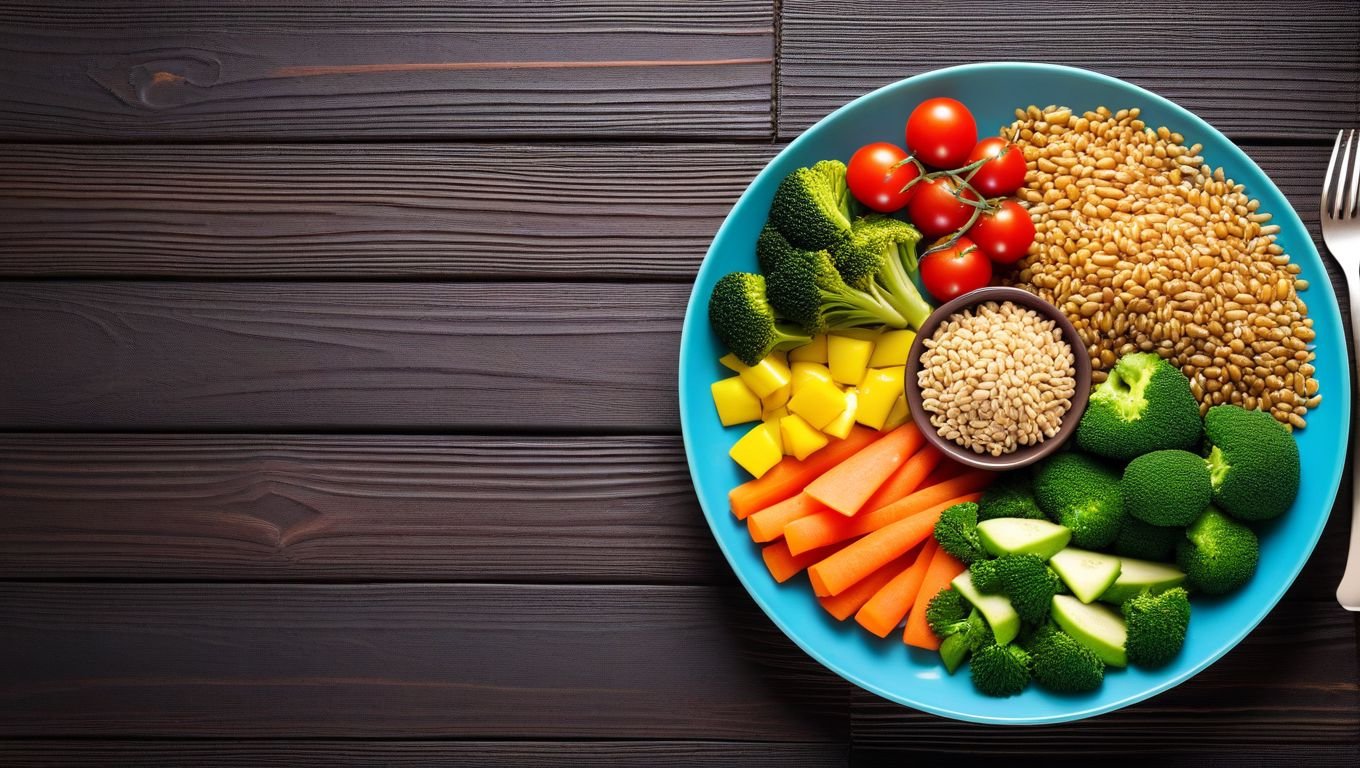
337, 362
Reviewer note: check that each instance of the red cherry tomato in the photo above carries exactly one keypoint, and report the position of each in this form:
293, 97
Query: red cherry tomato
876, 180
935, 210
1004, 235
1001, 175
941, 132
955, 270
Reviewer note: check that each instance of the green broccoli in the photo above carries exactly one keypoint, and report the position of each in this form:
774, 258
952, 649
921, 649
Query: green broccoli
1156, 626
1081, 494
805, 287
1218, 554
1009, 496
1063, 665
1146, 542
878, 258
1167, 488
986, 577
960, 629
1029, 583
1001, 670
744, 320
812, 205
1145, 405
956, 531
1253, 463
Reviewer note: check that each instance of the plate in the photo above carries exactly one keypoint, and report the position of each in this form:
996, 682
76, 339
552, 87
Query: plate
913, 677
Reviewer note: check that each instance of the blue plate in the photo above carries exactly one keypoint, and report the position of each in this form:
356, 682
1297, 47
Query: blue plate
887, 667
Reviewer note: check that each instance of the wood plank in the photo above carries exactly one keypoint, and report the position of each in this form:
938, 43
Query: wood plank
408, 661
350, 508
255, 356
246, 69
411, 754
1254, 69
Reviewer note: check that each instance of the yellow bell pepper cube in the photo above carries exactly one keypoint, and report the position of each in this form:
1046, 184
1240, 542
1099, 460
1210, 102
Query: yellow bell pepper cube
877, 395
775, 415
800, 439
848, 358
898, 415
891, 349
777, 398
736, 403
802, 372
820, 402
760, 449
764, 377
812, 352
846, 421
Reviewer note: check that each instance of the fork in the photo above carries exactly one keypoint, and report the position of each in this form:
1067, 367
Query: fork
1341, 233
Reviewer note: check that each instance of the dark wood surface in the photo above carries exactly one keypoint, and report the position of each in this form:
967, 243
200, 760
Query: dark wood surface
337, 340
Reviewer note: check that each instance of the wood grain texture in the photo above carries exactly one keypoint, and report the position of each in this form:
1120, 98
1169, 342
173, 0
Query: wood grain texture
1254, 69
250, 70
432, 357
493, 211
352, 508
406, 661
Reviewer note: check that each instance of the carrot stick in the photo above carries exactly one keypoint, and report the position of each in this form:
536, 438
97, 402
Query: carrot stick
889, 605
846, 486
823, 528
855, 561
906, 479
790, 475
945, 470
845, 604
768, 524
942, 570
783, 565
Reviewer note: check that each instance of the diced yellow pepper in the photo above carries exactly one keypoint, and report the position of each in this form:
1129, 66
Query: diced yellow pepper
848, 358
800, 439
736, 403
759, 449
764, 377
877, 395
775, 415
732, 363
846, 421
820, 402
898, 415
812, 352
891, 349
804, 371
777, 398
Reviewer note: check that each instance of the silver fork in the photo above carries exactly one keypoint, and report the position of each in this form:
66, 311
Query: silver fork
1341, 232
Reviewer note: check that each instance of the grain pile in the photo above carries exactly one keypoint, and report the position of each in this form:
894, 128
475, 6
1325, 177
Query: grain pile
1147, 248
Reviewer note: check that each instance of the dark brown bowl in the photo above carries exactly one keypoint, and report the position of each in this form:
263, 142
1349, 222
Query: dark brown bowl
1024, 455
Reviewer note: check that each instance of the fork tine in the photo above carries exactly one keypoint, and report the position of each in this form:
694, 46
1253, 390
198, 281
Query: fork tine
1353, 191
1331, 174
1338, 205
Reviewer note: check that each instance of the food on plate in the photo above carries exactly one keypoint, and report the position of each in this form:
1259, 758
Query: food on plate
760, 449
878, 257
879, 177
1083, 495
1000, 167
765, 377
812, 205
1138, 577
957, 533
1001, 670
1027, 581
805, 288
1009, 496
1166, 488
1087, 574
955, 269
1022, 536
1150, 542
1218, 554
846, 486
1148, 248
1002, 619
735, 401
1098, 627
942, 570
1144, 405
959, 626
996, 377
1156, 626
1063, 665
790, 475
745, 321
1253, 463
942, 205
941, 132
1005, 233
888, 606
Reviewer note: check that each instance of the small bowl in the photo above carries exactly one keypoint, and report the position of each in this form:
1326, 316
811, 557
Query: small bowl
1025, 454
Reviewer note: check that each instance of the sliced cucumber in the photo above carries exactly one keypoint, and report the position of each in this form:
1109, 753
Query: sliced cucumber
1088, 574
953, 650
996, 609
1096, 626
1021, 536
1141, 576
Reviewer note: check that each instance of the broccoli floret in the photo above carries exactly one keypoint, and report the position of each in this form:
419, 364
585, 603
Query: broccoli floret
957, 533
1145, 405
1156, 626
1001, 670
1146, 542
1080, 493
1062, 664
1167, 488
960, 629
1029, 583
986, 577
946, 611
812, 205
805, 287
746, 322
1010, 496
878, 258
1218, 554
1253, 463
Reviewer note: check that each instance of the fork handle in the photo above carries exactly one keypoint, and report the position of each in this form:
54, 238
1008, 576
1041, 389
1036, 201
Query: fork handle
1348, 591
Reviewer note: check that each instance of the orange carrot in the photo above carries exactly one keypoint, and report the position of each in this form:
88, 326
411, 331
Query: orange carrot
790, 475
823, 528
942, 570
846, 486
855, 561
945, 470
845, 604
768, 524
889, 605
906, 479
783, 565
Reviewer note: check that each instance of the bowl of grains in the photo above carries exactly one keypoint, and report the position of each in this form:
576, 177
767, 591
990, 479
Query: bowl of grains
997, 378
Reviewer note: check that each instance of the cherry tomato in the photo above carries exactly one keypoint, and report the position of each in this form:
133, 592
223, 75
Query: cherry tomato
1004, 235
1001, 175
876, 180
955, 270
935, 210
941, 132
